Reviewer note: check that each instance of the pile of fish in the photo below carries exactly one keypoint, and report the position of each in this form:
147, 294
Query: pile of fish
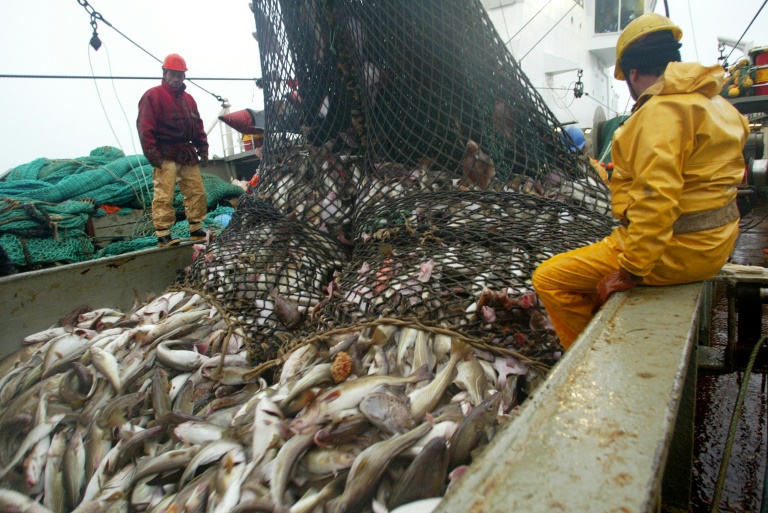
315, 186
158, 409
328, 190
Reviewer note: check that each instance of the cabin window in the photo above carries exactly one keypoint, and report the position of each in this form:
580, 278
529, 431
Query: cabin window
614, 15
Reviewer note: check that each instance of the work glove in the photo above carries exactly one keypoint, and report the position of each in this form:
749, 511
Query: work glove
619, 281
204, 160
156, 162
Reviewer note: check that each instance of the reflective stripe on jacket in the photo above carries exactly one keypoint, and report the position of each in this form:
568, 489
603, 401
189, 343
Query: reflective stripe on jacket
170, 126
680, 152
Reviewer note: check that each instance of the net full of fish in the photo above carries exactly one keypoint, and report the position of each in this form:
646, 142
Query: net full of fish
158, 409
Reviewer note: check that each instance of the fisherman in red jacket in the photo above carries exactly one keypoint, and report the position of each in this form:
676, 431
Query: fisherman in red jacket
173, 139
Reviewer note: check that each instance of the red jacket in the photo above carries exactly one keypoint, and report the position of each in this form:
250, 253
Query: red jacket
170, 125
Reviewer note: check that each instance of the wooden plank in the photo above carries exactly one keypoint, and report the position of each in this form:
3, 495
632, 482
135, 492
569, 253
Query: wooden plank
117, 225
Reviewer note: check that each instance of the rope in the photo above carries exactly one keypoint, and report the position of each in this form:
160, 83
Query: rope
403, 323
732, 429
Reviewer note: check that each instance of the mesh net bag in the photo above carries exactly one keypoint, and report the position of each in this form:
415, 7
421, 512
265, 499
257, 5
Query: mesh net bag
267, 272
406, 133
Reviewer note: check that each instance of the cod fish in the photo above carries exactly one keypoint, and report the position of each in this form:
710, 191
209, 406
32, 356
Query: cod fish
368, 468
349, 394
471, 430
425, 476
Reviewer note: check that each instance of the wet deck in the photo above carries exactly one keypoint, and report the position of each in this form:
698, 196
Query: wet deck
716, 397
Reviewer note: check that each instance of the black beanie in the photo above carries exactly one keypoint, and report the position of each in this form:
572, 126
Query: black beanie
655, 49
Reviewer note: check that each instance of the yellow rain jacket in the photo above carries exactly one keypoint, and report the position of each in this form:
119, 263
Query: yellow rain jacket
679, 153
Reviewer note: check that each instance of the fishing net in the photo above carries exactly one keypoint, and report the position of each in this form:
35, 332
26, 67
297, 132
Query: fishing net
71, 246
407, 132
267, 272
48, 200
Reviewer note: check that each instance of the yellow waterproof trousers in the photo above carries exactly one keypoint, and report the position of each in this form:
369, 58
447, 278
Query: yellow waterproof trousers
566, 283
190, 182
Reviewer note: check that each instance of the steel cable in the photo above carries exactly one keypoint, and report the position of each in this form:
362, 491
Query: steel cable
732, 430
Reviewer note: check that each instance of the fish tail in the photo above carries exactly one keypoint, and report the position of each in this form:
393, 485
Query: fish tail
461, 349
421, 374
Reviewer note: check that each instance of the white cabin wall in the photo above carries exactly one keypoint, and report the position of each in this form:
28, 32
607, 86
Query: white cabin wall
570, 43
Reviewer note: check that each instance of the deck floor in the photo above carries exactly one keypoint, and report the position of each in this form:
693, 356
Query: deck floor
716, 398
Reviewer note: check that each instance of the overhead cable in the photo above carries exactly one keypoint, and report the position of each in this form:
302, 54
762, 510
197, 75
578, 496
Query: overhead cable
95, 15
108, 77
550, 30
526, 23
745, 30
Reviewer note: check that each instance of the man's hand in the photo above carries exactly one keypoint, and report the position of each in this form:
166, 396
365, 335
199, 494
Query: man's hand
156, 162
619, 281
203, 160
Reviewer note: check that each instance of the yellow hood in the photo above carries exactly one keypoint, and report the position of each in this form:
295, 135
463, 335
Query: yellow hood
687, 77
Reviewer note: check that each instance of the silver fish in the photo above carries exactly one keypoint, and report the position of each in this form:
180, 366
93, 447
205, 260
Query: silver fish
229, 480
266, 428
74, 469
45, 335
172, 322
349, 394
11, 500
320, 373
53, 497
290, 453
178, 359
405, 348
39, 432
197, 433
97, 448
425, 477
422, 352
106, 364
65, 348
471, 430
322, 462
212, 451
171, 460
368, 468
424, 400
470, 376
100, 476
296, 361
34, 463
312, 501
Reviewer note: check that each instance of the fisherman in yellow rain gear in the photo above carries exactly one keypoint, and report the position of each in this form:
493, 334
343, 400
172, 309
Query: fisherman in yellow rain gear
677, 160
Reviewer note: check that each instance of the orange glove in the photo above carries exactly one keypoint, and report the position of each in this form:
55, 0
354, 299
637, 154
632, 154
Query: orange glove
619, 281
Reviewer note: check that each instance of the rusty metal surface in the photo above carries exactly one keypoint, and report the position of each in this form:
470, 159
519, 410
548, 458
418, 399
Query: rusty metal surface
595, 436
34, 301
